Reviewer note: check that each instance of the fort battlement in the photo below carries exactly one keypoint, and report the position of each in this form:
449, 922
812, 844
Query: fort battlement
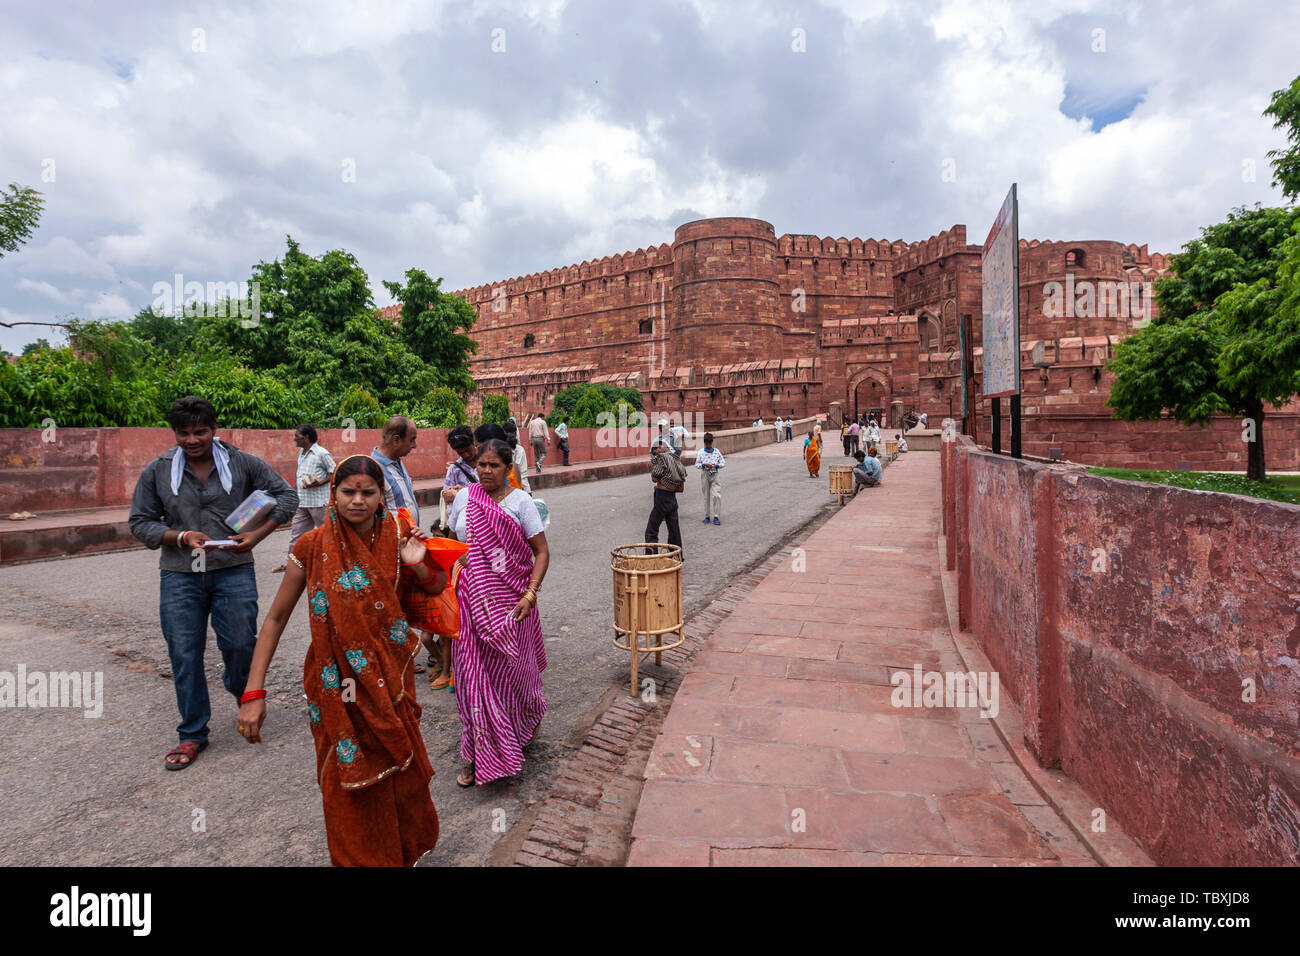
734, 322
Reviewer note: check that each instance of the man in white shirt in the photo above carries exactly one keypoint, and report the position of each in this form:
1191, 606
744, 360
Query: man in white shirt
924, 418
680, 437
664, 438
779, 426
540, 436
709, 461
315, 467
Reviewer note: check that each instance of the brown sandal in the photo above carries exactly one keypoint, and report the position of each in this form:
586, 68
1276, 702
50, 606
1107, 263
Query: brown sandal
466, 777
189, 749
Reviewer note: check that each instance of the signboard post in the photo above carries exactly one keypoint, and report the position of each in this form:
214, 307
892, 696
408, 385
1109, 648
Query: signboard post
1000, 271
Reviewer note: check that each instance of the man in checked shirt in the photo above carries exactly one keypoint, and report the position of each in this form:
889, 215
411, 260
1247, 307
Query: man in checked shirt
669, 477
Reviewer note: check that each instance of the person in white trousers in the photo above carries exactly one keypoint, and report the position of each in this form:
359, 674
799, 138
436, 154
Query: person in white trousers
709, 462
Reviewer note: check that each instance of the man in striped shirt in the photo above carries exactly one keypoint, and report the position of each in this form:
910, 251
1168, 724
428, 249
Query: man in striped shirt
315, 466
709, 461
399, 437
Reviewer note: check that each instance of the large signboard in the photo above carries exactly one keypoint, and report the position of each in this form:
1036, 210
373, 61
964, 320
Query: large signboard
1001, 293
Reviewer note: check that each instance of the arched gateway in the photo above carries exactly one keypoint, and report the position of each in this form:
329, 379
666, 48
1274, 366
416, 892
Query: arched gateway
869, 389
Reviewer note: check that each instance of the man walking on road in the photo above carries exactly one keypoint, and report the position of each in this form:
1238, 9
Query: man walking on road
669, 477
541, 438
315, 466
179, 505
709, 461
562, 433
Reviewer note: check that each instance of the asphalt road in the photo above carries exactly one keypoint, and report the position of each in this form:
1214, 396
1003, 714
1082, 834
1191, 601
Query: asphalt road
92, 790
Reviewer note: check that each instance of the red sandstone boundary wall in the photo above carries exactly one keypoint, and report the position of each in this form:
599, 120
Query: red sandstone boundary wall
1130, 677
98, 467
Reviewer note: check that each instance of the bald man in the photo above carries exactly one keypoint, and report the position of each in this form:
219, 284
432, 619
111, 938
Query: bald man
398, 441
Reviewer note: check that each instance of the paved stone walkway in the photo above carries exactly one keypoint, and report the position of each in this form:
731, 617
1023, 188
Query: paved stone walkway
782, 746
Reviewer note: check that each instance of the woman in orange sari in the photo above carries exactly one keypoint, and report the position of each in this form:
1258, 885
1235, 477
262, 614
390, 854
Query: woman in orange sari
812, 454
371, 761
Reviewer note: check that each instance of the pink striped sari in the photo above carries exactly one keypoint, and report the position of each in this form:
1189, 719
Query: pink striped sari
498, 662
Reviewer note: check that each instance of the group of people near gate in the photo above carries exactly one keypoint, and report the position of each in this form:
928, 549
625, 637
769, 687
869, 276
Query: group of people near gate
379, 589
867, 473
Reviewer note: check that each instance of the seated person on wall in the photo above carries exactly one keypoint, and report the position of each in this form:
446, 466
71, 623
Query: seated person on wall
866, 473
902, 443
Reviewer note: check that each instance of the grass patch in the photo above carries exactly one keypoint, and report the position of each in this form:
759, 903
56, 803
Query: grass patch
1281, 488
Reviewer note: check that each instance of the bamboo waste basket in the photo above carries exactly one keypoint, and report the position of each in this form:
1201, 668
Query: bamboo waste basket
841, 481
647, 600
891, 448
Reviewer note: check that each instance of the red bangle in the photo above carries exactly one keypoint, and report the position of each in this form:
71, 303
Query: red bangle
252, 695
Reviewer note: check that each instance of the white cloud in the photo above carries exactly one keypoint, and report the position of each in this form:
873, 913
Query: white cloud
601, 131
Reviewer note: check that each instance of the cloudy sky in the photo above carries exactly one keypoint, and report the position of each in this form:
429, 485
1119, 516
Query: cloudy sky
488, 140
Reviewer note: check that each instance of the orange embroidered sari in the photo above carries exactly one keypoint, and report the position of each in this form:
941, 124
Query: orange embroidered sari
371, 761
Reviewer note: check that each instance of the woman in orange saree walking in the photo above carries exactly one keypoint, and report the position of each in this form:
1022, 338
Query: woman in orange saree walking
371, 761
812, 454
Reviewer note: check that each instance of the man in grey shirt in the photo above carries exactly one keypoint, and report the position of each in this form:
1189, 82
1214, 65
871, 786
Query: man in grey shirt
180, 503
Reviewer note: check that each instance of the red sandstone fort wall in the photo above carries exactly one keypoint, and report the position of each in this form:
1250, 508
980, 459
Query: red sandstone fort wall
1148, 635
732, 322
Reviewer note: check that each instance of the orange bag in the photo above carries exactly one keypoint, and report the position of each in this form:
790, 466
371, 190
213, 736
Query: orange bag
448, 608
438, 613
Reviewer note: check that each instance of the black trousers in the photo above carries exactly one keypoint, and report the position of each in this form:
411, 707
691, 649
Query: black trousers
665, 509
564, 447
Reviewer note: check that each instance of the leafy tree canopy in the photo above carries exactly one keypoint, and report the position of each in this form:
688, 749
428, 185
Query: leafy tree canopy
1285, 109
1227, 339
496, 409
433, 326
583, 404
20, 211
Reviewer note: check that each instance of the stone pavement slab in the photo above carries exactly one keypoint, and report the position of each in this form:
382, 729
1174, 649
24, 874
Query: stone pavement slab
785, 747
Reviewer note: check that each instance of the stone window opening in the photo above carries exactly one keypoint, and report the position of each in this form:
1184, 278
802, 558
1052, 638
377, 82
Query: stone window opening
646, 327
530, 340
1074, 258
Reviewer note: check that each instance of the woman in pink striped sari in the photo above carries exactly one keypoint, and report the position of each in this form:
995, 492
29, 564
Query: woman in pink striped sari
499, 657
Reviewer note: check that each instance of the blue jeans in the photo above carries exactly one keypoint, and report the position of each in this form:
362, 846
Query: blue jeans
185, 601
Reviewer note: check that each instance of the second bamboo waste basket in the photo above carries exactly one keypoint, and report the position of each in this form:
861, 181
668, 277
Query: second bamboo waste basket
841, 481
647, 600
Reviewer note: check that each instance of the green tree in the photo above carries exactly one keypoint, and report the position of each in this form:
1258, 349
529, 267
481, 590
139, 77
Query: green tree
318, 330
173, 334
74, 393
1285, 110
1227, 339
361, 408
496, 409
444, 408
243, 397
434, 326
20, 211
36, 346
584, 403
